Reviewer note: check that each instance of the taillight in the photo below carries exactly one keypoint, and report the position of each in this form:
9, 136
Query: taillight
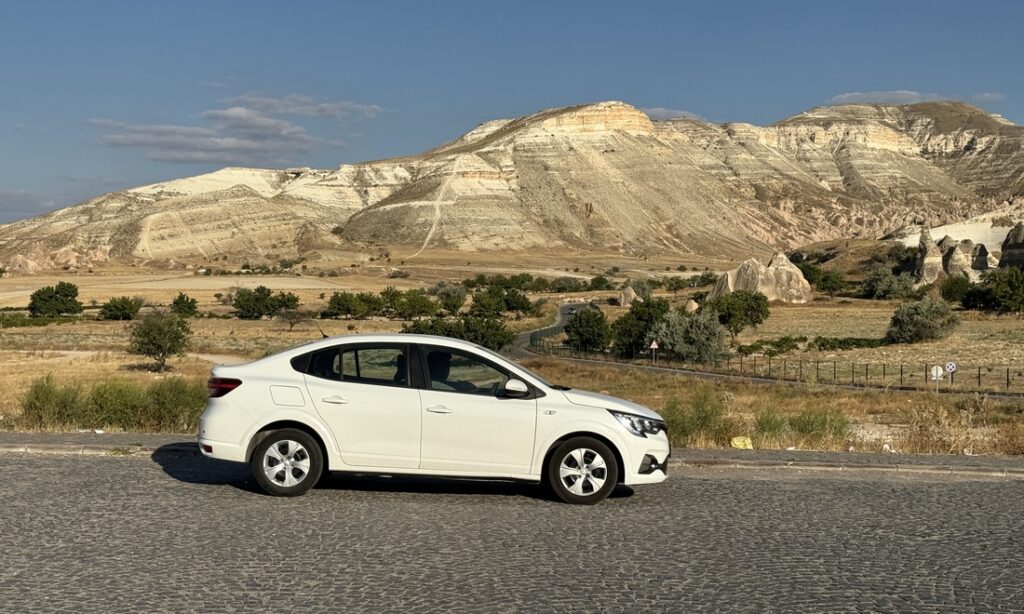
220, 386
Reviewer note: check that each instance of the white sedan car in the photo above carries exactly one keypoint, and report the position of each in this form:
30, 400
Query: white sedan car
424, 405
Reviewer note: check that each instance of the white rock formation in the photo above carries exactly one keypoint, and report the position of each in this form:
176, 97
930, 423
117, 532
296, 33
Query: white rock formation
781, 280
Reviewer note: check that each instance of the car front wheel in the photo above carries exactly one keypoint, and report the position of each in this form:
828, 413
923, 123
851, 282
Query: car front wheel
582, 470
287, 463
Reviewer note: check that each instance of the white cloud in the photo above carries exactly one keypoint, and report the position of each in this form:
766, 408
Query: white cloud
984, 97
662, 113
250, 132
298, 105
885, 97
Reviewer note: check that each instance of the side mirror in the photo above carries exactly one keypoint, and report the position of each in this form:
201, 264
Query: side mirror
516, 388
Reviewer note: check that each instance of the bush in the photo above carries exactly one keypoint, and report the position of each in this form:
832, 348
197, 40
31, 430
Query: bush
812, 272
925, 320
254, 304
698, 338
588, 331
882, 284
632, 330
159, 336
398, 274
703, 420
832, 344
1007, 289
819, 424
50, 405
451, 296
770, 425
954, 288
51, 301
184, 305
173, 405
772, 347
600, 282
415, 304
831, 282
121, 308
740, 309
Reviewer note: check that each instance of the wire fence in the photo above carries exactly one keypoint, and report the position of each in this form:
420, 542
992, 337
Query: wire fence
1001, 379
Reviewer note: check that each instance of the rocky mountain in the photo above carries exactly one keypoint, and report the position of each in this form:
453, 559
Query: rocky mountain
593, 178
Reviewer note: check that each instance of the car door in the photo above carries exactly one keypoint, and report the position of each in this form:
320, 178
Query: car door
364, 394
468, 425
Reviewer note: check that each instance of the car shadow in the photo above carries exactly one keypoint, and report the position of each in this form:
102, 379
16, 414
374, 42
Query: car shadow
183, 462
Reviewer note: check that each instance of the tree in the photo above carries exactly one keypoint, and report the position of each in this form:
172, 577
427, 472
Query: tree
812, 272
341, 304
488, 332
954, 288
252, 304
292, 317
517, 302
1007, 286
699, 337
631, 330
488, 304
588, 331
600, 282
184, 305
415, 304
52, 301
643, 289
740, 309
881, 283
159, 335
831, 282
390, 297
675, 283
452, 297
283, 301
121, 308
924, 320
368, 305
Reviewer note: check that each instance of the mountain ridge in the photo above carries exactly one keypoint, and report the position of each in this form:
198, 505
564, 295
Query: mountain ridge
600, 177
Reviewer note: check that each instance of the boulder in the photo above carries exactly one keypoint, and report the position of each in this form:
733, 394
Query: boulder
781, 280
928, 267
690, 306
981, 259
1013, 248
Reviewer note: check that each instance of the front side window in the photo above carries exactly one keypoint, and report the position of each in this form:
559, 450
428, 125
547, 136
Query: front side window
455, 371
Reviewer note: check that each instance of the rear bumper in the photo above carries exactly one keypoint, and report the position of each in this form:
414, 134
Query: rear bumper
221, 450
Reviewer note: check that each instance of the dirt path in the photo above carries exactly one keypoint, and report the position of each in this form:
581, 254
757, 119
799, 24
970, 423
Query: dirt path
437, 207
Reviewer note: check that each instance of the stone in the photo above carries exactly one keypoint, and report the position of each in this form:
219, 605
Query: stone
780, 281
959, 259
981, 259
690, 306
628, 296
1013, 248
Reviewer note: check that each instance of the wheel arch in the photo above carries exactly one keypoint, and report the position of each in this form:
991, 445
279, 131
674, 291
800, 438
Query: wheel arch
268, 428
608, 442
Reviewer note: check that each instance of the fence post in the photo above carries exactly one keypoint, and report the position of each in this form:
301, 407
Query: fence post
741, 364
979, 377
951, 374
901, 375
754, 370
800, 374
769, 366
1007, 378
817, 378
834, 372
926, 375
867, 376
853, 373
785, 364
885, 377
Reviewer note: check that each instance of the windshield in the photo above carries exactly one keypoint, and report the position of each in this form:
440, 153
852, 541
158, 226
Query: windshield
522, 368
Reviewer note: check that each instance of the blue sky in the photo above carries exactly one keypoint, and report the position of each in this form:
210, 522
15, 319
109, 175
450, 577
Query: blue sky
99, 96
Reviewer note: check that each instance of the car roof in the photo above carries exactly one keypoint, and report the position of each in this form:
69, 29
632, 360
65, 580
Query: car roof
384, 338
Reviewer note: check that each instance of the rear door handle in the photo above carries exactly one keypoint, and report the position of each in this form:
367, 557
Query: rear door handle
439, 409
335, 400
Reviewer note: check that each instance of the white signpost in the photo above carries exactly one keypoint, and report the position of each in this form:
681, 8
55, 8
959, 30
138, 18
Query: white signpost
654, 351
937, 374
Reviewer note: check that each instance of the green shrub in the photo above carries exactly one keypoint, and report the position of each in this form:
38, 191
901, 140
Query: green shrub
772, 347
819, 424
184, 305
925, 320
740, 309
175, 404
56, 300
121, 308
48, 404
770, 424
703, 420
116, 403
831, 344
955, 288
698, 338
881, 283
588, 331
159, 336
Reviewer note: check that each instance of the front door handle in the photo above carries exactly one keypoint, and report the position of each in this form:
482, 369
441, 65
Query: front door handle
439, 409
335, 400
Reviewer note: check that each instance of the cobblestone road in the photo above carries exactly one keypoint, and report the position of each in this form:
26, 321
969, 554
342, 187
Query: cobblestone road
176, 533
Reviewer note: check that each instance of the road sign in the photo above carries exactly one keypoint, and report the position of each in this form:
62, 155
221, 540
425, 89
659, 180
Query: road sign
937, 373
654, 344
950, 367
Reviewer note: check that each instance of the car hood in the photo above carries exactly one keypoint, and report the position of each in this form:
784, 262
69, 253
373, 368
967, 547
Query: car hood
593, 399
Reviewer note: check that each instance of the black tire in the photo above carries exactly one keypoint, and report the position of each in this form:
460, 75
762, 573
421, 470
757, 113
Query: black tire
298, 472
595, 481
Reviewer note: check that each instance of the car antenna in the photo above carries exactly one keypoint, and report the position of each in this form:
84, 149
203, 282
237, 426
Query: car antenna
317, 325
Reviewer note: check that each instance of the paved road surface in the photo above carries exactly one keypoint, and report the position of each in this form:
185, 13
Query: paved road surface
176, 533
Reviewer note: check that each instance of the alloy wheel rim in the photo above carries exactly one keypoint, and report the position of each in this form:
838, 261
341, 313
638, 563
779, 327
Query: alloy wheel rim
583, 472
286, 463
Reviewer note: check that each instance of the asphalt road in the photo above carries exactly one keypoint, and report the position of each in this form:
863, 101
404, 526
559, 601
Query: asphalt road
180, 533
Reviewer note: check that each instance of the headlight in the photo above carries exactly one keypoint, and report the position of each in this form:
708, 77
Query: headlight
638, 425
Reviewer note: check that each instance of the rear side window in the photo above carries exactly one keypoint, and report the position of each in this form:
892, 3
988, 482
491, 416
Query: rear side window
362, 364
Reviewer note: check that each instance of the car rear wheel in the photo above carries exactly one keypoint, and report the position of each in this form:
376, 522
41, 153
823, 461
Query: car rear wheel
287, 463
582, 470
